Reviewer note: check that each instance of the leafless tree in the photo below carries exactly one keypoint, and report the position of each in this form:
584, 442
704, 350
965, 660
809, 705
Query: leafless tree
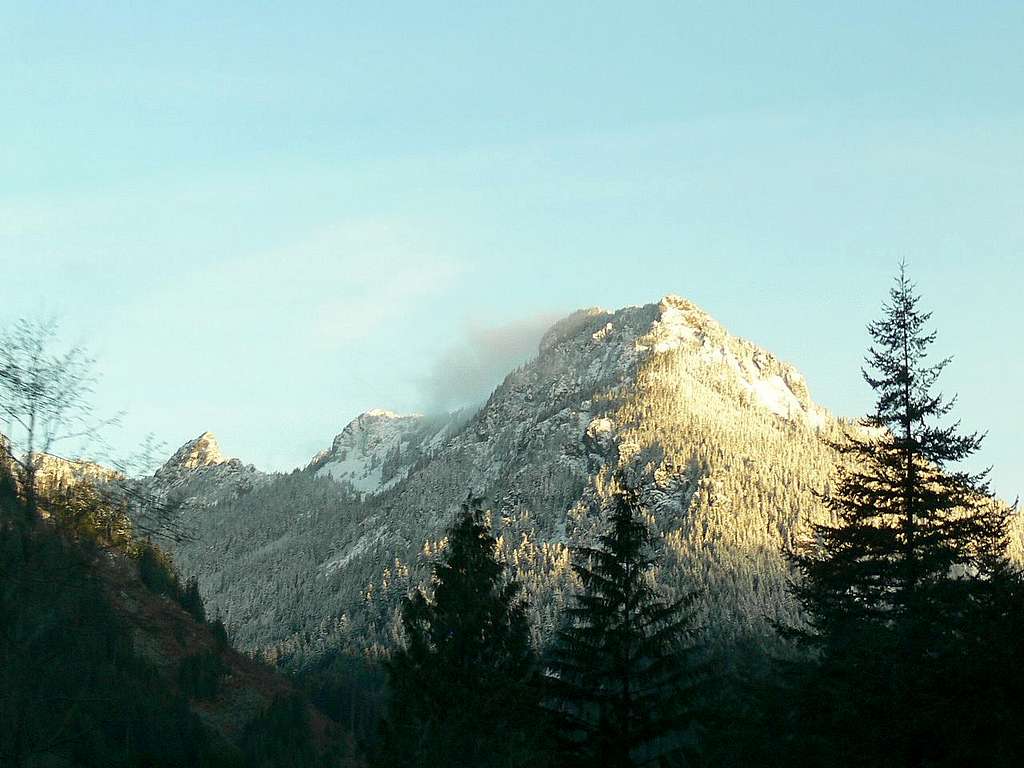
46, 393
45, 399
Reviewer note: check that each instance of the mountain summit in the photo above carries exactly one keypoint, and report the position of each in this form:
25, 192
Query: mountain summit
378, 448
201, 474
203, 451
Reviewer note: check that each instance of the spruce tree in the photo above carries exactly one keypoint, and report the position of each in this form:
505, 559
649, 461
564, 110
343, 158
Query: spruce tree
460, 687
887, 587
621, 671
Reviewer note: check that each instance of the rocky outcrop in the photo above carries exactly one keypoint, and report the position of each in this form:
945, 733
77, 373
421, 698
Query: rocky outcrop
201, 475
203, 451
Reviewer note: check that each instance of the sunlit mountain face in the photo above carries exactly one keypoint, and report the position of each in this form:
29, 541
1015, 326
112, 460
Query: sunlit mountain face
724, 437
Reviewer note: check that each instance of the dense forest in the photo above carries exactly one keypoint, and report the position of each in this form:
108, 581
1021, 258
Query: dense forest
846, 595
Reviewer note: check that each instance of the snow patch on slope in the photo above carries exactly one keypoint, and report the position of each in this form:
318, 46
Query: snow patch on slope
377, 449
361, 452
774, 385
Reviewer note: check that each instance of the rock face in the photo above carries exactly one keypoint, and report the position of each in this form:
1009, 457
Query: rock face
201, 452
57, 472
54, 472
199, 474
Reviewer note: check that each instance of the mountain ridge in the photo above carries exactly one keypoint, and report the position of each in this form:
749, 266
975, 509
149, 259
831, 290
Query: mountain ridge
539, 452
724, 439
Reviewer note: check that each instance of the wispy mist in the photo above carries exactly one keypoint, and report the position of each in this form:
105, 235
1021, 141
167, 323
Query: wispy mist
469, 370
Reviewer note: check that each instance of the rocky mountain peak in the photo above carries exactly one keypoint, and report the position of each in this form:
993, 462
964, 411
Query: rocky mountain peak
770, 382
591, 350
681, 322
203, 451
377, 448
373, 429
201, 476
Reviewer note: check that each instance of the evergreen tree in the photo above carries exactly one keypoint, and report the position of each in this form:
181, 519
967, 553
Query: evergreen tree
622, 675
460, 685
278, 737
886, 589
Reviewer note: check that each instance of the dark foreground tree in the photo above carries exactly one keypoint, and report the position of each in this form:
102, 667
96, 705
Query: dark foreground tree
622, 674
460, 686
889, 590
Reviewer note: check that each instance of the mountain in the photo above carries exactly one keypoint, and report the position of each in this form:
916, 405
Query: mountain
199, 474
723, 437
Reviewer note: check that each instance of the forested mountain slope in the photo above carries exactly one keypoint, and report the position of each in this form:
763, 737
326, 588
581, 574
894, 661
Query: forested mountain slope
724, 437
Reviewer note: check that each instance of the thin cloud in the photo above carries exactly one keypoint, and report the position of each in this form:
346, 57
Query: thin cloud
469, 370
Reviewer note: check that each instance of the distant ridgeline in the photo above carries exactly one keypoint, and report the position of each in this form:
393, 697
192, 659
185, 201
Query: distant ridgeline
725, 438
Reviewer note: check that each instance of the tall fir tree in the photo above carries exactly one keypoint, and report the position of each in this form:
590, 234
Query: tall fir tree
461, 689
622, 671
886, 589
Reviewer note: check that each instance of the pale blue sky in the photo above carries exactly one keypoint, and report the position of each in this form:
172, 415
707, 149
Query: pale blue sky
269, 218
